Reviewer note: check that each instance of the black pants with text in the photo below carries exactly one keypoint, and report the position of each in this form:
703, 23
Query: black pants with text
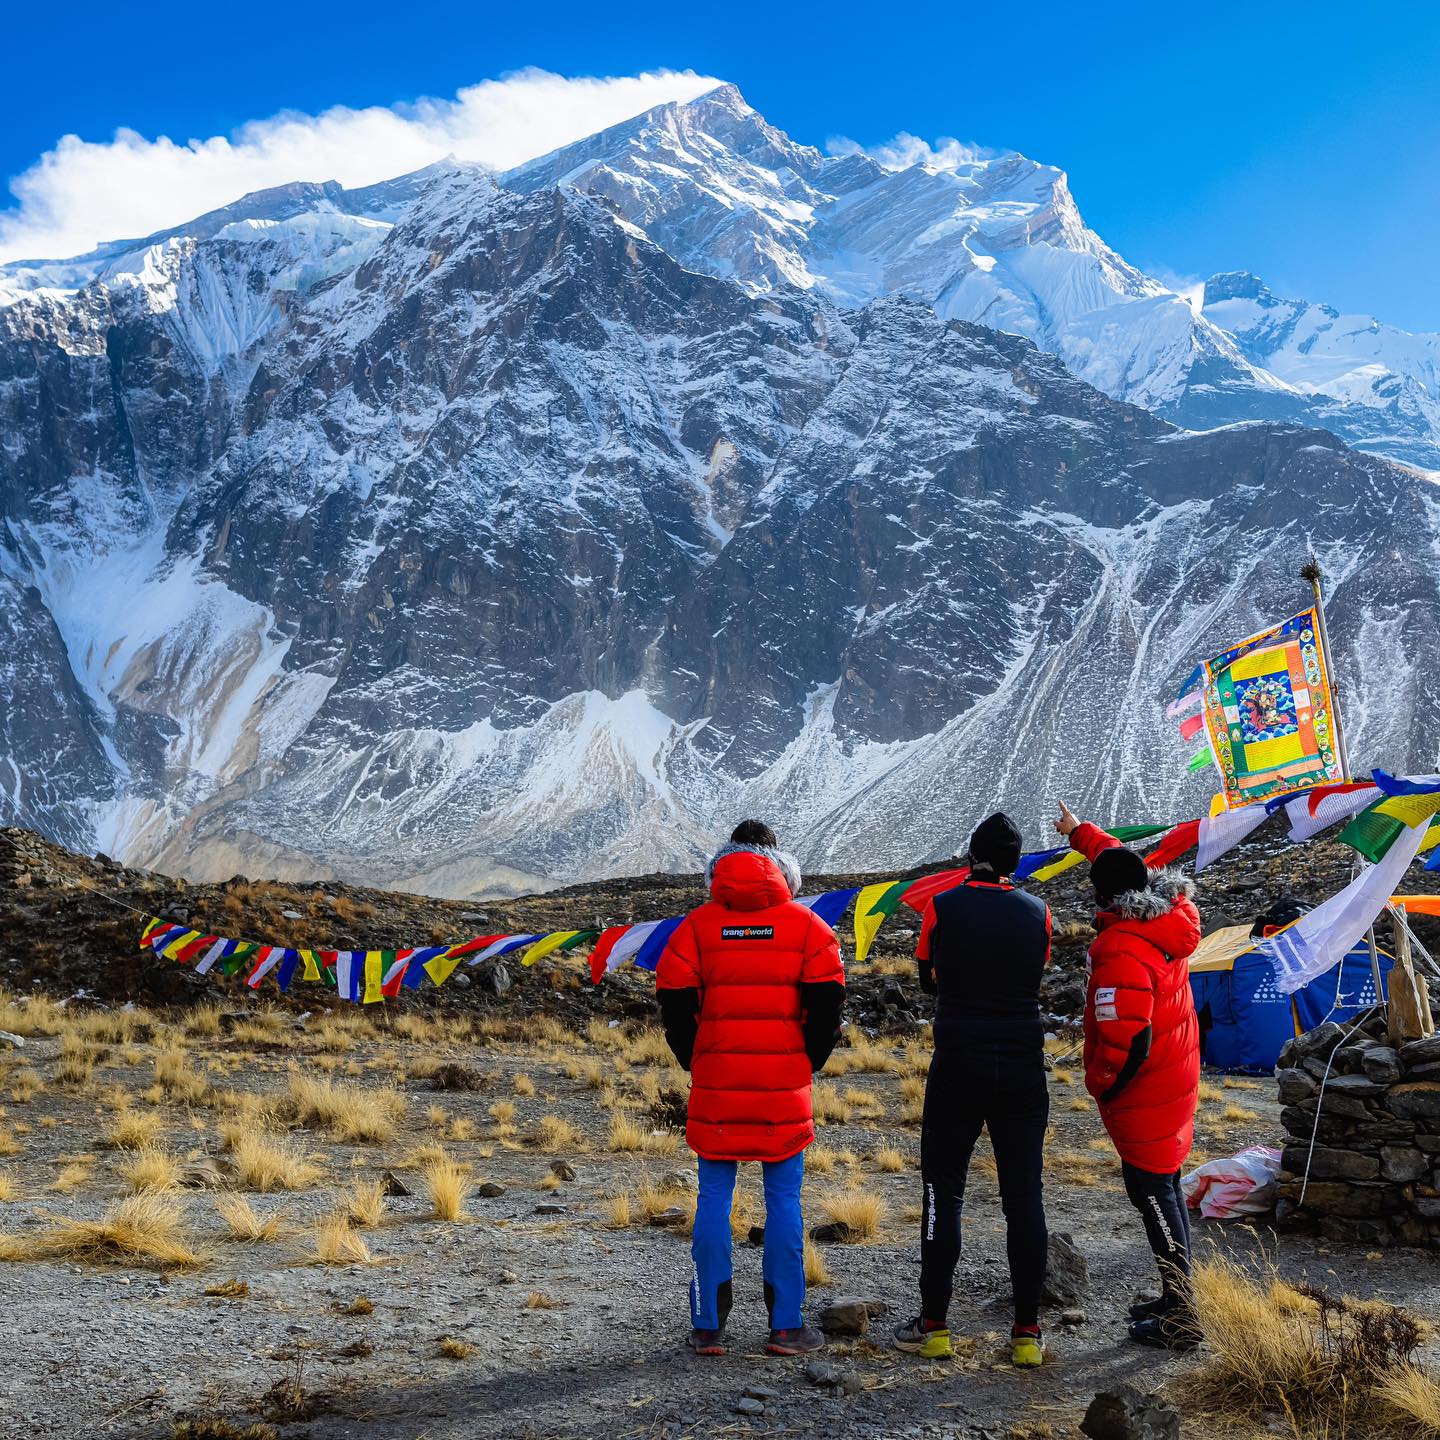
1004, 1091
1162, 1207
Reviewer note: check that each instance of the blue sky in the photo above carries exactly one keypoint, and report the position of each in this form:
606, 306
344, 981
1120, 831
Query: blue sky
1301, 142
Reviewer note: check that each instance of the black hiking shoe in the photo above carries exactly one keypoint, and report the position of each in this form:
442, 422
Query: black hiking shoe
1173, 1329
801, 1341
707, 1342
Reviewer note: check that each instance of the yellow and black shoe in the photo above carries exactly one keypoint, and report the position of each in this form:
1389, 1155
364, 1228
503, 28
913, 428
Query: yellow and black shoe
1027, 1349
925, 1338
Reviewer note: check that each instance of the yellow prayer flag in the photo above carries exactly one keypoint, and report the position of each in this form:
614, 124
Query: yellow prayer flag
311, 964
442, 967
543, 946
1410, 809
868, 919
374, 978
1058, 867
179, 943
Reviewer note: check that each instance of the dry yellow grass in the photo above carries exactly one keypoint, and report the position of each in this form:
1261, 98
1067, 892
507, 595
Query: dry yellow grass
268, 1162
133, 1130
438, 1116
77, 1061
231, 1289
245, 1223
147, 1230
72, 1177
502, 1112
365, 1204
539, 1300
859, 1211
1238, 1115
30, 1015
346, 1112
360, 1305
24, 1087
8, 1188
524, 1085
204, 1020
912, 1087
828, 1107
1062, 1077
820, 1159
1072, 1167
461, 1128
1208, 1091
888, 1160
449, 1186
151, 1169
618, 1211
552, 1132
1080, 1104
9, 1145
1332, 1367
333, 1242
631, 1137
453, 1349
861, 1053
817, 1272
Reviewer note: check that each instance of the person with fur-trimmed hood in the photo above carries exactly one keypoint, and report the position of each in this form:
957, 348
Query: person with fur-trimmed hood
750, 989
1142, 1054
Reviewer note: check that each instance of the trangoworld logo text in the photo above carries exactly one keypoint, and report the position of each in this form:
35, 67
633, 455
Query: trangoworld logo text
747, 932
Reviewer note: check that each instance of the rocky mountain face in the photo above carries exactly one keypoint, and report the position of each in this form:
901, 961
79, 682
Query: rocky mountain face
498, 541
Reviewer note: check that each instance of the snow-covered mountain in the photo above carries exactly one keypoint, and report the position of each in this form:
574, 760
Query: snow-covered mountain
501, 540
996, 239
1376, 385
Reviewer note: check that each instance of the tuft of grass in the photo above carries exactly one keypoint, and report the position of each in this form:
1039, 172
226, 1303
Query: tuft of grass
24, 1087
1238, 1115
554, 1133
243, 1221
502, 1112
267, 1163
539, 1300
152, 1169
817, 1272
72, 1177
619, 1213
333, 1242
1079, 1104
449, 1186
524, 1085
174, 1076
146, 1229
9, 1145
365, 1204
133, 1130
863, 1054
231, 1289
1332, 1366
859, 1211
1209, 1092
453, 1349
827, 1106
360, 1305
888, 1160
31, 1015
346, 1112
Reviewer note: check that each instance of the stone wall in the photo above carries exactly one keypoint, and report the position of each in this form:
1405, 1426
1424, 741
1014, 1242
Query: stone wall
1374, 1176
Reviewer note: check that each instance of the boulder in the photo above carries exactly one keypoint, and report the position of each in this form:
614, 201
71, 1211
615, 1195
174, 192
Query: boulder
9, 1041
850, 1314
490, 1190
562, 1169
495, 979
1067, 1272
836, 1232
671, 1218
1125, 1413
394, 1186
748, 1405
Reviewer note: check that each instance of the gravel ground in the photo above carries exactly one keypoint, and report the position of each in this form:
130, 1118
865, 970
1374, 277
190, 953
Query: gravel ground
122, 1351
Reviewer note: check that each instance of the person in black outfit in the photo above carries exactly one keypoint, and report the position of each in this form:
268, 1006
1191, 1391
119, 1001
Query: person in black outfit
982, 951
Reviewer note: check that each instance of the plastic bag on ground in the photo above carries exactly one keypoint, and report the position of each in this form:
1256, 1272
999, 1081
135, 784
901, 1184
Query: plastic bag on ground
1245, 1184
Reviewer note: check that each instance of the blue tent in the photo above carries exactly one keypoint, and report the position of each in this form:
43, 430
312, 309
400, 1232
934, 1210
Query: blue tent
1244, 1019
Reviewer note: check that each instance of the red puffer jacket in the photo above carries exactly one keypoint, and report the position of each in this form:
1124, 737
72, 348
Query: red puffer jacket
1142, 1040
754, 963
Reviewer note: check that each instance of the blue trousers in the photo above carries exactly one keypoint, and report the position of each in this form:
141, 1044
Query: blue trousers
783, 1266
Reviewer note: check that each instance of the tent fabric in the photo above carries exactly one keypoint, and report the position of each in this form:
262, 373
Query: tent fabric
1245, 1019
1217, 951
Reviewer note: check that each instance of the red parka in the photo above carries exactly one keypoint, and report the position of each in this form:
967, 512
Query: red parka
1142, 1040
752, 955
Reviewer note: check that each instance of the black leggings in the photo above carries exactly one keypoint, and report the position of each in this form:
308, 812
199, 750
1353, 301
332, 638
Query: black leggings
1162, 1207
965, 1093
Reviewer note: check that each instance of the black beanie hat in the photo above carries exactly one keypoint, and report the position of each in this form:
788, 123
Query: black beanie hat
996, 843
1116, 870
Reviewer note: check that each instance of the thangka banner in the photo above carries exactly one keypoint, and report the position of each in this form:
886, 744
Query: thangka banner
1270, 714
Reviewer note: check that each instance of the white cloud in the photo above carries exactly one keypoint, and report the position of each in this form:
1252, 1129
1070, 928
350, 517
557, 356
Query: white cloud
906, 150
1190, 288
82, 192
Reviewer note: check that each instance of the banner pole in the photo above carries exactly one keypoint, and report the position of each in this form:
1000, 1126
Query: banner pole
1311, 572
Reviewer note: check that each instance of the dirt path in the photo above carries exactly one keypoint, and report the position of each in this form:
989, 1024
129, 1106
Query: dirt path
568, 1323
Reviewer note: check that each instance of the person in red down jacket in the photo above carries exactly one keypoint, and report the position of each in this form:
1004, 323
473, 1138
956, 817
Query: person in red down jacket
1142, 1054
750, 989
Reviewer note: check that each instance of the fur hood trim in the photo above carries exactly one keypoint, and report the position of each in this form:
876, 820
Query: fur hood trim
1157, 899
783, 861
